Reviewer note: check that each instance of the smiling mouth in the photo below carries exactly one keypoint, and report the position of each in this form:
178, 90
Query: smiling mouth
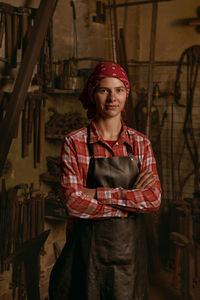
111, 106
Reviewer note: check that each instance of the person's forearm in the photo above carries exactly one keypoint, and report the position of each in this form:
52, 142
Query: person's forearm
78, 203
82, 205
144, 197
138, 200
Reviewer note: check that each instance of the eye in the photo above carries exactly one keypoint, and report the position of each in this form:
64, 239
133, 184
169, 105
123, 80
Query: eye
102, 90
120, 90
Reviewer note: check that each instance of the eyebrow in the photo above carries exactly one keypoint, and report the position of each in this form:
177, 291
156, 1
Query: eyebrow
117, 87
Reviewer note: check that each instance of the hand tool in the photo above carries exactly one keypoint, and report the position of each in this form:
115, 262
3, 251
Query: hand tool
41, 129
2, 27
18, 96
113, 29
19, 32
25, 130
50, 48
36, 134
8, 38
24, 31
30, 117
75, 38
151, 64
100, 13
123, 61
14, 39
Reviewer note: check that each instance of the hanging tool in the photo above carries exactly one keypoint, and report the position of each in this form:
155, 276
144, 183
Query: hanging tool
151, 63
25, 129
18, 96
14, 38
24, 36
36, 133
31, 108
2, 27
50, 49
100, 13
123, 62
41, 129
113, 31
75, 39
191, 55
8, 37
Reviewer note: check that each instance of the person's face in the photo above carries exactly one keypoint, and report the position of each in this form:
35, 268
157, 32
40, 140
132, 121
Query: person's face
110, 97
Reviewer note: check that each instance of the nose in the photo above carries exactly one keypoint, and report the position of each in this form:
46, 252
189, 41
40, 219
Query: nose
112, 96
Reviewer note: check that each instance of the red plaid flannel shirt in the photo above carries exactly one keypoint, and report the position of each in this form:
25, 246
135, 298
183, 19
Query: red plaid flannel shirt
109, 202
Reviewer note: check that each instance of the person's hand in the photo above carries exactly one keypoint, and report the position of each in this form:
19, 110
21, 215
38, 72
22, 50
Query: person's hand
145, 180
89, 192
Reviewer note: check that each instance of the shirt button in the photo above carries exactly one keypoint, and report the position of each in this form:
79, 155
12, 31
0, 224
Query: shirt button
117, 144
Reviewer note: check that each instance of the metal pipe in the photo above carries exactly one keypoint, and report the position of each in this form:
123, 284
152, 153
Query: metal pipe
151, 63
113, 36
135, 63
18, 96
136, 3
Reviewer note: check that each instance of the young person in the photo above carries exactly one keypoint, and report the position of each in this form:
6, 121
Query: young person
109, 180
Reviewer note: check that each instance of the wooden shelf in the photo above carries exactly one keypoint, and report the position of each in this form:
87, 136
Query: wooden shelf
55, 136
57, 218
61, 91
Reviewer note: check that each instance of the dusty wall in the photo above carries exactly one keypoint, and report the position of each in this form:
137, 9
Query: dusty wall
172, 39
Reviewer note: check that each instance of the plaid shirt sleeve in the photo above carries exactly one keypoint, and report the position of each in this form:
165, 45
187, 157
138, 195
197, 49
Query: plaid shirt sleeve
136, 200
79, 204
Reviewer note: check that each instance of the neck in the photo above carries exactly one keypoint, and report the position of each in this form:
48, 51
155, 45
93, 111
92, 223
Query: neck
109, 129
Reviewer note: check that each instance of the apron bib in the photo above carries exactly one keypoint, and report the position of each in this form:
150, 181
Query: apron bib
104, 259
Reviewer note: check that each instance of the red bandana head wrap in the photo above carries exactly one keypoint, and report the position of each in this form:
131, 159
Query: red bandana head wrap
102, 70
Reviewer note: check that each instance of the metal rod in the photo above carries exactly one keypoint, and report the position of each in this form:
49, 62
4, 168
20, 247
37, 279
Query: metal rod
18, 96
135, 63
116, 29
113, 36
151, 63
136, 3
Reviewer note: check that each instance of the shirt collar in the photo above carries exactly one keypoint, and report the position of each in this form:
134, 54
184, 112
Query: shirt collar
123, 138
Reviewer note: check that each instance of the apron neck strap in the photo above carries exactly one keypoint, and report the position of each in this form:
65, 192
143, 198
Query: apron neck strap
90, 146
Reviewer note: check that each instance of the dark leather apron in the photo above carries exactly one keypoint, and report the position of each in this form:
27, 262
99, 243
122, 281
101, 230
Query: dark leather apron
104, 259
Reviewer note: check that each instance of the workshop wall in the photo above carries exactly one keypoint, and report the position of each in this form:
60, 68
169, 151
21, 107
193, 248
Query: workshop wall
91, 42
172, 38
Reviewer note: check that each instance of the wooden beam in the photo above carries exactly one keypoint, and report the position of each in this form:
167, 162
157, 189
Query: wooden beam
18, 96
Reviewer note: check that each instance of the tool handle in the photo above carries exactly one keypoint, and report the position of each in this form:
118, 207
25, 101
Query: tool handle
73, 9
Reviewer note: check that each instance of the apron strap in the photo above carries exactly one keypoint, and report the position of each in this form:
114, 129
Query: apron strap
91, 146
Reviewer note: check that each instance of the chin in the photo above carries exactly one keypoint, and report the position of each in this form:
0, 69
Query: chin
111, 114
